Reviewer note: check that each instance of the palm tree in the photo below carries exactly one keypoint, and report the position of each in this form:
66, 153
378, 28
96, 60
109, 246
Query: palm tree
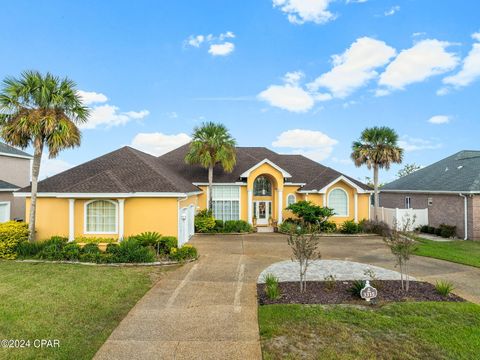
377, 148
41, 111
212, 144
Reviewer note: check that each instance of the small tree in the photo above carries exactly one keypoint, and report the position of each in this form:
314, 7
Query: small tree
408, 169
402, 247
309, 213
304, 249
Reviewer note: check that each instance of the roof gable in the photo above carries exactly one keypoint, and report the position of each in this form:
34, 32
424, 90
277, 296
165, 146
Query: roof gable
247, 173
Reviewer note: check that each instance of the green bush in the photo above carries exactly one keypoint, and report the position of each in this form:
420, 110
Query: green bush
90, 248
149, 238
53, 248
444, 288
328, 227
438, 231
166, 244
219, 224
357, 287
447, 231
204, 221
272, 289
112, 248
186, 252
11, 234
310, 213
424, 229
288, 227
431, 230
71, 252
131, 251
237, 226
94, 240
350, 227
27, 249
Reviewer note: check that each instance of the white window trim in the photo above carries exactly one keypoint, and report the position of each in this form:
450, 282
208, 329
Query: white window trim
294, 198
100, 232
239, 198
9, 209
348, 202
408, 200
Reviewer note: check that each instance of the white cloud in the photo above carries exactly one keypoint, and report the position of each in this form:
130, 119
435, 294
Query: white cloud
439, 119
110, 115
410, 144
221, 49
302, 11
313, 144
157, 143
91, 97
355, 67
470, 68
392, 10
50, 167
217, 46
416, 64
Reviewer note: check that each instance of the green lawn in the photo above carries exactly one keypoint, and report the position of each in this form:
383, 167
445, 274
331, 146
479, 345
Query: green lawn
458, 251
396, 331
78, 305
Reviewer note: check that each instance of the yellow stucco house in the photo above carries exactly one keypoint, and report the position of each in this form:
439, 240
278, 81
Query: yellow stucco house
127, 192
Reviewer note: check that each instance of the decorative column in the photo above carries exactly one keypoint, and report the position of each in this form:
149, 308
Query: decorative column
249, 206
355, 204
280, 206
71, 220
121, 219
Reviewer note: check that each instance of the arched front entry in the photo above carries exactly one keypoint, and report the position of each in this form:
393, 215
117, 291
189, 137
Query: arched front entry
263, 200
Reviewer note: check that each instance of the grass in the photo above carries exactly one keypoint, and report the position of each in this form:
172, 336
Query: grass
396, 331
465, 252
78, 305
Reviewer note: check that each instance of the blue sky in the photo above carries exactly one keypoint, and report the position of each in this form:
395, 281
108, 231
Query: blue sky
297, 76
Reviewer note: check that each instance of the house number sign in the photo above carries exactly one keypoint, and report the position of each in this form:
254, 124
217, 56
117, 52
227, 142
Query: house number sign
368, 292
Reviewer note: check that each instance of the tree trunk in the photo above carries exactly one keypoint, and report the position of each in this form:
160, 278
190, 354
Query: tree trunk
37, 158
210, 185
375, 192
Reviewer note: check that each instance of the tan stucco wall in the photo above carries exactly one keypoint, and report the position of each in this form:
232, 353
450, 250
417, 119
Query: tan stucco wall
17, 205
141, 214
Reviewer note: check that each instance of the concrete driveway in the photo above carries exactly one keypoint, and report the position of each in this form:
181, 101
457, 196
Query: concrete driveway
208, 309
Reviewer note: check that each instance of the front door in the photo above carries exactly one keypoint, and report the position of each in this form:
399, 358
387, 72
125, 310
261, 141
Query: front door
263, 211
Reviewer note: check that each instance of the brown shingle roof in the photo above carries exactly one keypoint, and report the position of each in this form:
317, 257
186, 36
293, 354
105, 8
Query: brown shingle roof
303, 170
122, 171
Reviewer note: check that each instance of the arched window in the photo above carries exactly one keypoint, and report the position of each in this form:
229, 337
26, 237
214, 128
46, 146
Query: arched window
262, 186
338, 201
291, 199
101, 217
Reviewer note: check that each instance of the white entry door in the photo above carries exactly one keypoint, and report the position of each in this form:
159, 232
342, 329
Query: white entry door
263, 211
4, 211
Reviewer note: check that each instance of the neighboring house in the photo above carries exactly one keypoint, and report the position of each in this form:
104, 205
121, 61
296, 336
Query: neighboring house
127, 192
449, 188
14, 174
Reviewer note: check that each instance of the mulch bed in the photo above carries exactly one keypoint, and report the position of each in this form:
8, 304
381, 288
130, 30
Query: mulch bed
320, 292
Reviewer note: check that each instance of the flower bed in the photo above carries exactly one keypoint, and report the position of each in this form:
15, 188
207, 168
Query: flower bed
340, 292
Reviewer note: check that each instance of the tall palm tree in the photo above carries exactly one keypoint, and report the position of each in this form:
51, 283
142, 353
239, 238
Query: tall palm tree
378, 149
212, 144
41, 111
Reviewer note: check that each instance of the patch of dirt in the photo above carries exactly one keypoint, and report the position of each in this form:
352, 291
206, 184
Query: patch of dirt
320, 292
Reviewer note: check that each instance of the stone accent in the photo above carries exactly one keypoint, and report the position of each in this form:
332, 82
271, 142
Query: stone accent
445, 209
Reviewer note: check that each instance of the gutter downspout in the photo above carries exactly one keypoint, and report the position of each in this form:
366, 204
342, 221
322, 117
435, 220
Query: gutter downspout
466, 215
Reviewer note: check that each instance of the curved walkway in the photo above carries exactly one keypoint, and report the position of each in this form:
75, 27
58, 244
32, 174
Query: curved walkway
208, 309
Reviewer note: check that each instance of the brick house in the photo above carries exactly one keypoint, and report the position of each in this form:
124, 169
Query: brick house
449, 188
14, 174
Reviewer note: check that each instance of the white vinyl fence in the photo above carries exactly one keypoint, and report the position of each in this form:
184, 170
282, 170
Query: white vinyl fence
418, 217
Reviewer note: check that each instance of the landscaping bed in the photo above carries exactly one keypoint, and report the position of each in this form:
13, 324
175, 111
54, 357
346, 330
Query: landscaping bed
338, 292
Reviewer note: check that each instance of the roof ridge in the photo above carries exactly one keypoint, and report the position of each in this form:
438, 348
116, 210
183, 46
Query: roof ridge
85, 180
116, 180
136, 153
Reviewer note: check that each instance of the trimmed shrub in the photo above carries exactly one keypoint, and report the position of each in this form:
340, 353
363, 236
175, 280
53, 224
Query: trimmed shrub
166, 243
204, 221
375, 227
424, 229
219, 224
53, 248
112, 249
186, 252
95, 240
91, 248
350, 227
328, 227
431, 230
11, 234
237, 226
438, 231
71, 251
310, 213
447, 231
